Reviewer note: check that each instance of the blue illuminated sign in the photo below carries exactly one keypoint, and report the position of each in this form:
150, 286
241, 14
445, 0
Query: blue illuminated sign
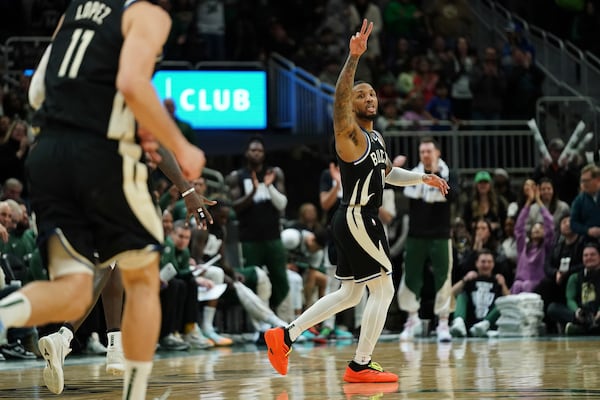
216, 99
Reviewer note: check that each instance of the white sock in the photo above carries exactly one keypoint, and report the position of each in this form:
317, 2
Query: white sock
443, 321
15, 310
114, 339
136, 379
67, 334
362, 359
207, 319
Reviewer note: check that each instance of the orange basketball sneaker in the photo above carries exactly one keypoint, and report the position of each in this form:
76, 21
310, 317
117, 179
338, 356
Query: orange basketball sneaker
277, 349
373, 390
370, 373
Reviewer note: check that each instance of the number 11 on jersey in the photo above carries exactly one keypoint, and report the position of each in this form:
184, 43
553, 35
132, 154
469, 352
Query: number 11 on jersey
80, 40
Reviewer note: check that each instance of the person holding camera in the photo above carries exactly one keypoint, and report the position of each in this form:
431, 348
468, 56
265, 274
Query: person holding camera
581, 314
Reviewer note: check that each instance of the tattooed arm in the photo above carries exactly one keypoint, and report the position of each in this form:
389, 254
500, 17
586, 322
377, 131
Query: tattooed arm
348, 139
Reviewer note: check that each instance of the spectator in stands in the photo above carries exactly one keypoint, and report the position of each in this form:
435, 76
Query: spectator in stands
167, 222
14, 147
401, 61
564, 260
585, 210
508, 250
205, 245
564, 176
581, 314
5, 222
209, 22
533, 245
586, 28
329, 72
440, 57
515, 38
441, 107
242, 33
258, 194
179, 298
549, 197
387, 90
12, 189
523, 87
464, 65
425, 80
175, 46
402, 20
358, 11
476, 294
415, 111
502, 185
450, 18
21, 240
14, 104
306, 256
279, 41
515, 207
484, 202
388, 116
482, 239
406, 78
461, 242
488, 85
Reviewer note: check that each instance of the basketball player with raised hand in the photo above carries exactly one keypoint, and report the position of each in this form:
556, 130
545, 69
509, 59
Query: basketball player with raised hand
363, 252
88, 183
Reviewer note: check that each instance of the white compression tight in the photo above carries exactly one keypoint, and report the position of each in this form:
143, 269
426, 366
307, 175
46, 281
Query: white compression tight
381, 293
348, 295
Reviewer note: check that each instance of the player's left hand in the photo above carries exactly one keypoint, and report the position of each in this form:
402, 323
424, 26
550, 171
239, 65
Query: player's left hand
196, 207
436, 181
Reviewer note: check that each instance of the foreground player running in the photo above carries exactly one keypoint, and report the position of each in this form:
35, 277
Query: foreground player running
88, 182
363, 253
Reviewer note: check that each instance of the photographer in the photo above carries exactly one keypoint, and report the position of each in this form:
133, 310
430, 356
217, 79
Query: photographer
581, 314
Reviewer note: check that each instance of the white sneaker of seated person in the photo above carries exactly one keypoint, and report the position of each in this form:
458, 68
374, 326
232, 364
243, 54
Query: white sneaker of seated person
458, 328
196, 340
480, 329
412, 327
94, 346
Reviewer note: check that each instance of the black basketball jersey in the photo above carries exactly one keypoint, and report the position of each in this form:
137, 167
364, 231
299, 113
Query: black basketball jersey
363, 180
80, 79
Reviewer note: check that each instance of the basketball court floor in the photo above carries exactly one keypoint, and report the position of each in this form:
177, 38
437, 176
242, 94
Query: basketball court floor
516, 368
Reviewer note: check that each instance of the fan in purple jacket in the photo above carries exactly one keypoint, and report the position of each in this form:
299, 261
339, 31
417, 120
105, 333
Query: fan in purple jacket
532, 246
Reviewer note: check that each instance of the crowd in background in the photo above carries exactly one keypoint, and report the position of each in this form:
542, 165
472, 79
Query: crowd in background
424, 67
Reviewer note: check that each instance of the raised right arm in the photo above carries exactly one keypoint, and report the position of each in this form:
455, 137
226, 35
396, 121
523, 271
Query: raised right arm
345, 128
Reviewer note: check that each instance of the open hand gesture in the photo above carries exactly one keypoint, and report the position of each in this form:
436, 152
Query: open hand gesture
196, 207
358, 41
436, 181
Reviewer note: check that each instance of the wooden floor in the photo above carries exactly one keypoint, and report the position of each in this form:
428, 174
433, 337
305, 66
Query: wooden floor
545, 368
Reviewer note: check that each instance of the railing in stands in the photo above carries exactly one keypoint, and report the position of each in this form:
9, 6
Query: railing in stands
471, 146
